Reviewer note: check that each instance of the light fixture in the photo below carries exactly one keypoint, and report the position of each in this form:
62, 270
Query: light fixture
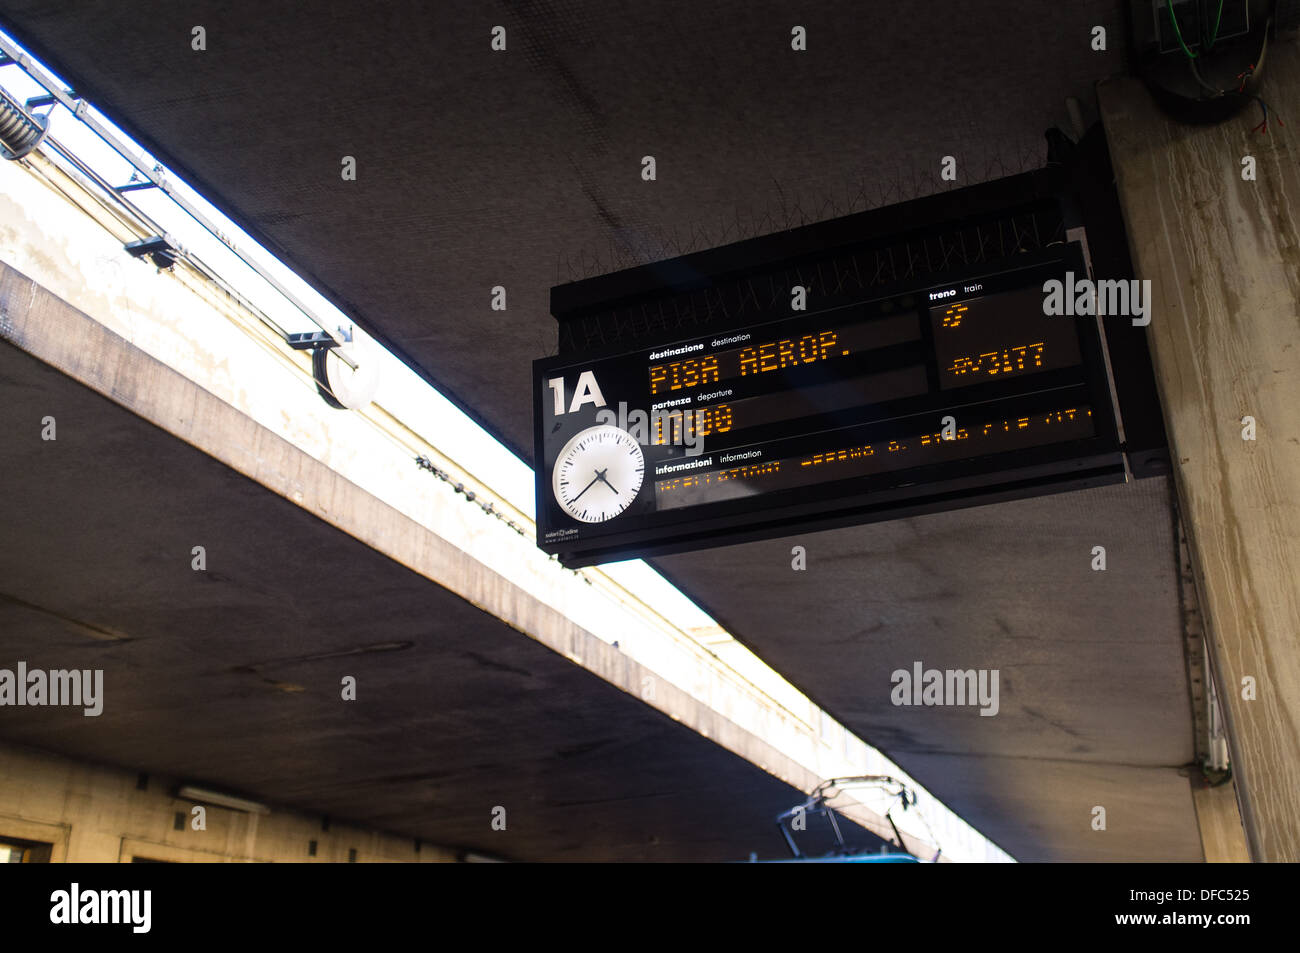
348, 383
193, 793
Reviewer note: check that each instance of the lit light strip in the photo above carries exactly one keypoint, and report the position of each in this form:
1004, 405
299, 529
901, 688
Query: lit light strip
190, 792
154, 173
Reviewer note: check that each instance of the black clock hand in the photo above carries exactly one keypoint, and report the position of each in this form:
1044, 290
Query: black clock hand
601, 476
585, 489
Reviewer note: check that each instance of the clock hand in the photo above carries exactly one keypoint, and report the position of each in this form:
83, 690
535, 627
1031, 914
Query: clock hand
600, 475
585, 489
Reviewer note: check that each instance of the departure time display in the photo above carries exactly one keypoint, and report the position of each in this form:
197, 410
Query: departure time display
842, 413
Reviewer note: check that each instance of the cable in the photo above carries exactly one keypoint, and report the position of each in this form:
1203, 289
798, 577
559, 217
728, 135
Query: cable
830, 789
1179, 33
1214, 35
1203, 84
424, 463
1244, 76
934, 839
1209, 44
1263, 126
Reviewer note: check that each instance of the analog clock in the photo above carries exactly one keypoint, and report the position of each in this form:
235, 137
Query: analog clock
598, 474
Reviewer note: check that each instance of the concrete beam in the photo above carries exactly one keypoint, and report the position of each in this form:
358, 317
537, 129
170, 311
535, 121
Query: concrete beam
1222, 252
35, 321
1222, 837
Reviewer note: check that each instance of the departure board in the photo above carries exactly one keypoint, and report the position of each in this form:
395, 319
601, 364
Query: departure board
859, 410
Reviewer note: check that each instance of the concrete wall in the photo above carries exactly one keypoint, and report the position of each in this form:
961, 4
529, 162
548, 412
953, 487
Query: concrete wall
104, 815
1211, 217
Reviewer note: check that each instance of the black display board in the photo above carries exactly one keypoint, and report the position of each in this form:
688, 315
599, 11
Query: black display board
925, 395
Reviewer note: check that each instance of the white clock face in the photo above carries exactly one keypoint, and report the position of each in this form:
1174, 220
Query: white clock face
598, 474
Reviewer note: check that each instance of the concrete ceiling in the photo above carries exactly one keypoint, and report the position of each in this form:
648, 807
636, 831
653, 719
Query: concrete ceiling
522, 169
231, 676
1094, 707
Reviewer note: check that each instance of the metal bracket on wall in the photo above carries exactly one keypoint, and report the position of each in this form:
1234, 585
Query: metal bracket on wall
156, 248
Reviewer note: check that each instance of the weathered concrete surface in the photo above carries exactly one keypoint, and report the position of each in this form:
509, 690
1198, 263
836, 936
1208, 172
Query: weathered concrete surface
1222, 836
1223, 257
92, 814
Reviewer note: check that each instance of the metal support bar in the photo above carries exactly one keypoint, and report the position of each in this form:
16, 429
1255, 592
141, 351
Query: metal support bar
81, 109
310, 340
146, 224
